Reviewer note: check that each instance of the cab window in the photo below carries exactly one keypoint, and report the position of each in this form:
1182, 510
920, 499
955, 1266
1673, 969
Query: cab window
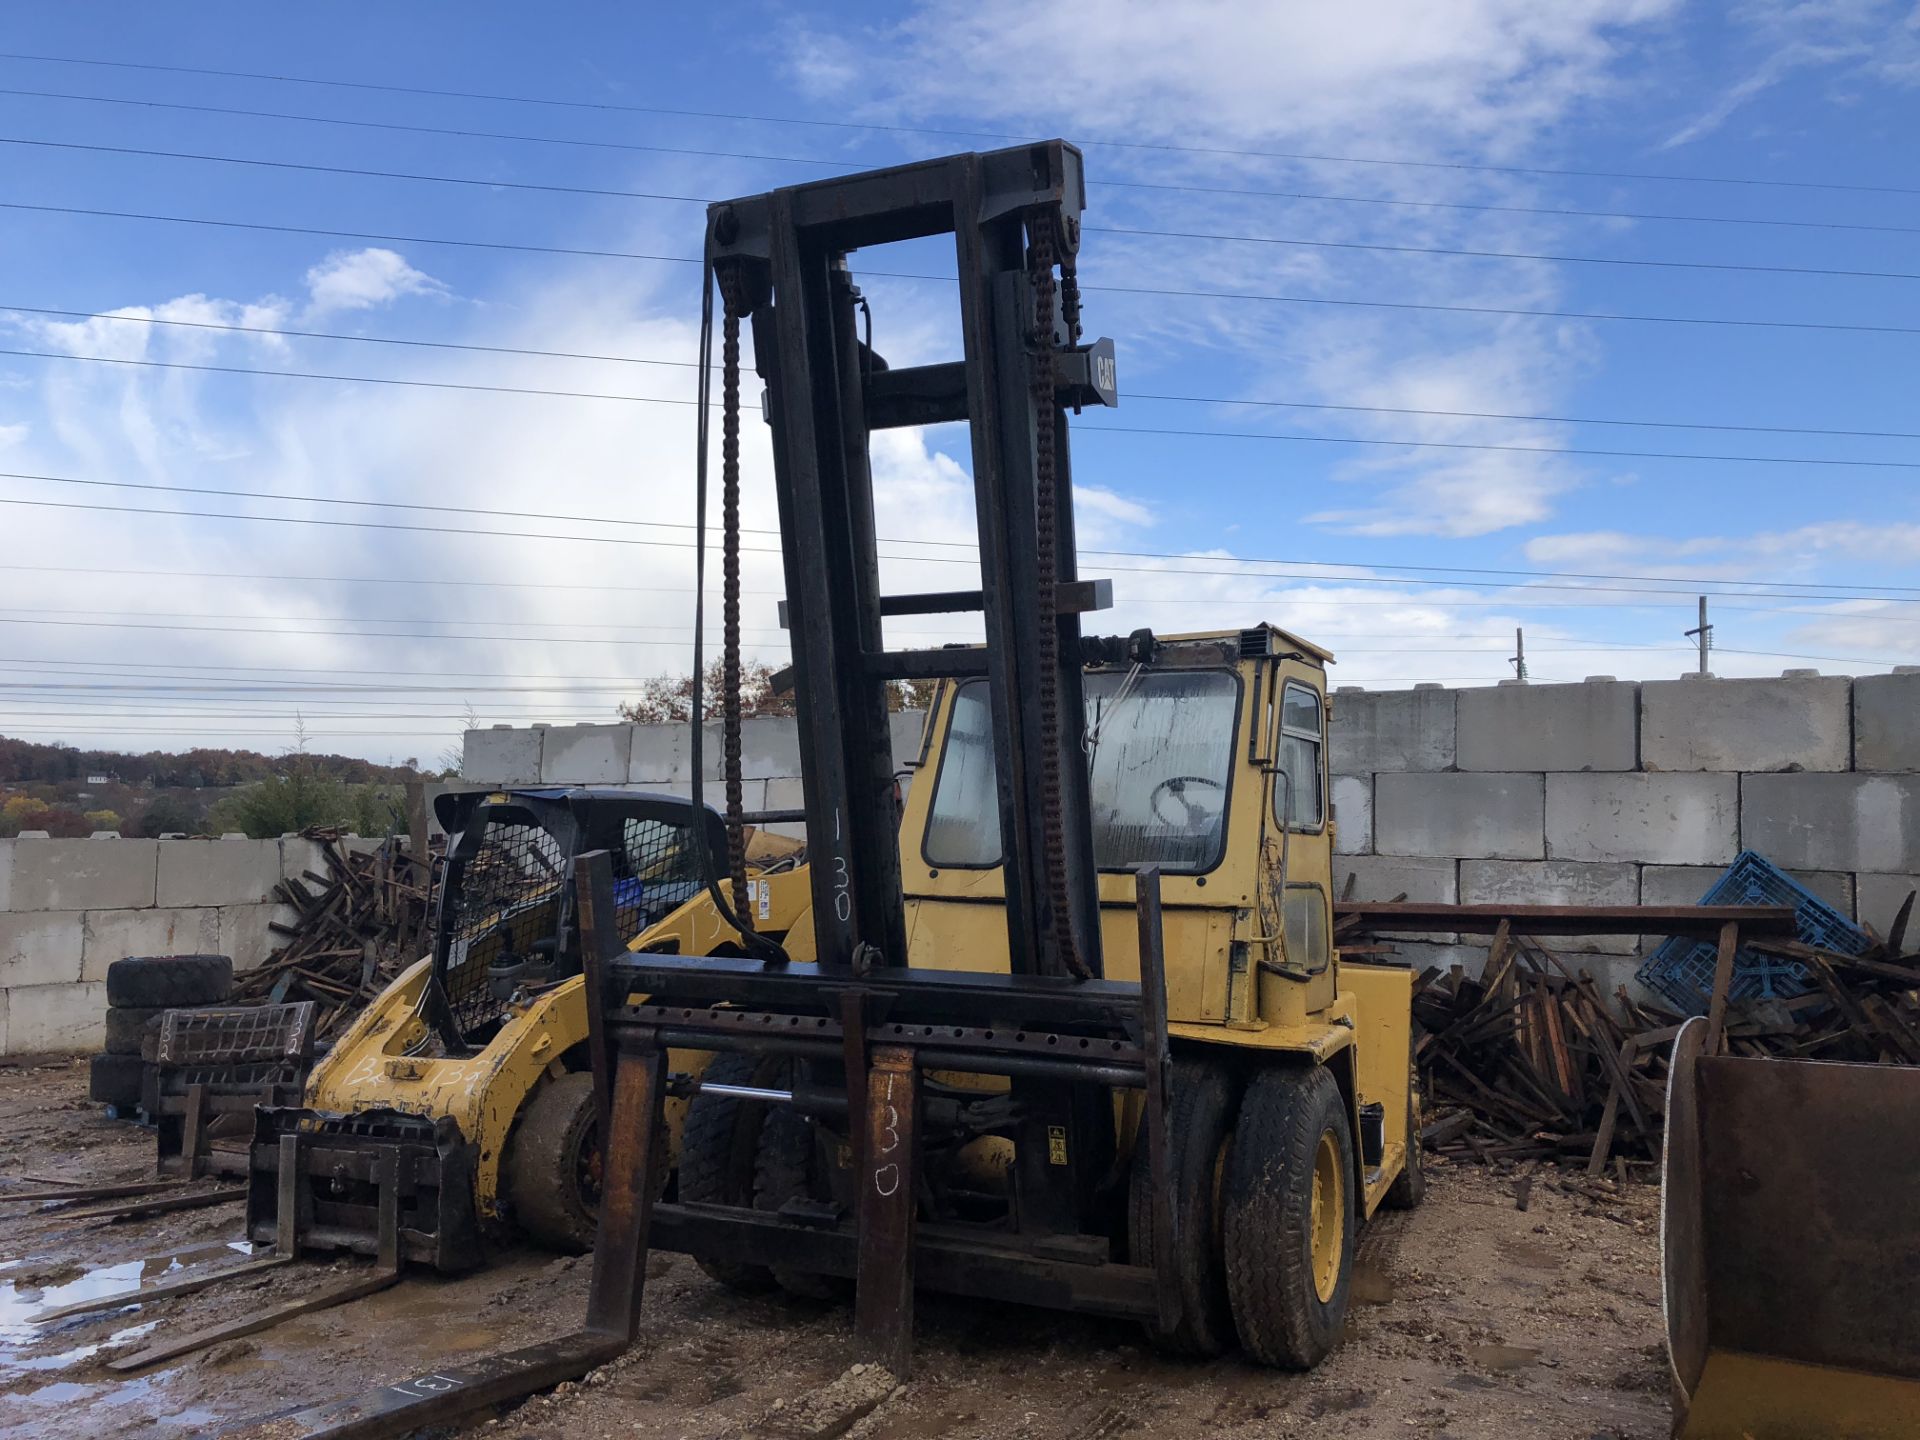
1304, 914
1160, 761
1301, 734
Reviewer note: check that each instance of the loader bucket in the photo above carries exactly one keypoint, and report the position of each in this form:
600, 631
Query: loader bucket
1790, 1248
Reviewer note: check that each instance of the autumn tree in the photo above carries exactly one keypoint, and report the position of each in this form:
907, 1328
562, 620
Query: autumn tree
668, 699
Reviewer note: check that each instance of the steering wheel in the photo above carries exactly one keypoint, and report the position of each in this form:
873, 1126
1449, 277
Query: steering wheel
1176, 787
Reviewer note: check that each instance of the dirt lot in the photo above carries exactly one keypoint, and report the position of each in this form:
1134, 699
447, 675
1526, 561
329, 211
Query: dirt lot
1475, 1320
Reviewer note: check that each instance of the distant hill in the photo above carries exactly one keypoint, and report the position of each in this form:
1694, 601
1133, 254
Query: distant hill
23, 762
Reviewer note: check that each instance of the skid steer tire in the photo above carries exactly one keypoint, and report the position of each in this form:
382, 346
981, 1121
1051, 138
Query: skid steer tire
128, 1026
719, 1152
1409, 1187
115, 1080
1200, 1121
552, 1169
1289, 1216
169, 981
784, 1170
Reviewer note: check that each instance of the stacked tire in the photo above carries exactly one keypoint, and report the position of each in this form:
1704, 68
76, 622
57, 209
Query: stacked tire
139, 990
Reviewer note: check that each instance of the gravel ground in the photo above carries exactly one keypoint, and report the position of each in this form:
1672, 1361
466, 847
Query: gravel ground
1474, 1319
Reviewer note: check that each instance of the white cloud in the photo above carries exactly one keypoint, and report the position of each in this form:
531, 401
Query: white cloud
362, 279
1419, 74
1859, 38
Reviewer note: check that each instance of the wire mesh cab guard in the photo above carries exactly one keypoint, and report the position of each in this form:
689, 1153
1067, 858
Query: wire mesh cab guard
506, 917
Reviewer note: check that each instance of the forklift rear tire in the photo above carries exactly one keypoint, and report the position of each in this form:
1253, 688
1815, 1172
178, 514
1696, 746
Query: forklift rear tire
720, 1150
553, 1165
1289, 1216
1200, 1120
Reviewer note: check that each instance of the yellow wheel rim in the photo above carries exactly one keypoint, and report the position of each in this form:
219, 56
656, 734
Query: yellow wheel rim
1329, 1217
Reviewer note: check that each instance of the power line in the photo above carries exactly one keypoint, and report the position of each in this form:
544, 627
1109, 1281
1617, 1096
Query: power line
358, 634
968, 545
1655, 264
1835, 326
1397, 603
1164, 148
944, 560
1227, 400
391, 126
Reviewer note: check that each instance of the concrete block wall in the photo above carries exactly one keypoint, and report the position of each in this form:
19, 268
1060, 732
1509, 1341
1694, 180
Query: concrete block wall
70, 908
1615, 793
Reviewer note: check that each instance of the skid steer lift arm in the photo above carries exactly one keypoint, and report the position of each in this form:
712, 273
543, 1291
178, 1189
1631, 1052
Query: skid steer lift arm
857, 1018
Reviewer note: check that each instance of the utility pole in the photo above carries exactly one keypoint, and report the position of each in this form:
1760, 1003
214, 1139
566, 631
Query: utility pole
1704, 634
1519, 657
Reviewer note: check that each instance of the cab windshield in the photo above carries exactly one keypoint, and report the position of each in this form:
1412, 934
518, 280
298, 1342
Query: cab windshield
1160, 755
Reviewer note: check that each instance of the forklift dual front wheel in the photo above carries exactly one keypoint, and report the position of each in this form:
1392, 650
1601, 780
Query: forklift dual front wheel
1200, 1125
1288, 1216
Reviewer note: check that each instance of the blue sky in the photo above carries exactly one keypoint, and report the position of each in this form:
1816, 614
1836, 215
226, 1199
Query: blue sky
234, 625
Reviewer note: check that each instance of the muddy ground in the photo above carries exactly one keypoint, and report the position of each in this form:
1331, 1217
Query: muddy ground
1474, 1320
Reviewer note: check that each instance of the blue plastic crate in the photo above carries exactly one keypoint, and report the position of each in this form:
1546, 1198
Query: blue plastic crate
1681, 970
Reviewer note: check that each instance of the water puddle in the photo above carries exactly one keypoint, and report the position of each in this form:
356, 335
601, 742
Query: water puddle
21, 1300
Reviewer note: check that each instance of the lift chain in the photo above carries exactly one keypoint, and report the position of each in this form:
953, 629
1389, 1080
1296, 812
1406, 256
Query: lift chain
1040, 262
733, 306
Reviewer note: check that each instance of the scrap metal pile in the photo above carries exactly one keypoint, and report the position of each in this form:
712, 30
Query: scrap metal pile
360, 922
1530, 1061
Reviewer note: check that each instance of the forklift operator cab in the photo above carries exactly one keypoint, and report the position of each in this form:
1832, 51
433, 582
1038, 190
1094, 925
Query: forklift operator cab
1210, 763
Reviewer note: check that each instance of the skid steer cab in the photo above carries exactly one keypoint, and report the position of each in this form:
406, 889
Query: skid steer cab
466, 1086
1192, 1137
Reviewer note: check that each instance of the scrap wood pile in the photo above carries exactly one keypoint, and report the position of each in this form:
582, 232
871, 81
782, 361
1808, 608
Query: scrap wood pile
360, 922
1530, 1062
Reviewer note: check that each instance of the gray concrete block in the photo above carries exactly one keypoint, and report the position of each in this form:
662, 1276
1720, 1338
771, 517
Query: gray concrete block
299, 855
1353, 814
1886, 722
1685, 884
661, 753
1556, 882
1482, 815
110, 935
1655, 819
769, 747
587, 755
787, 793
83, 874
1548, 727
1382, 877
1745, 725
6, 874
3, 1023
1880, 899
195, 873
501, 756
1392, 730
56, 1019
1833, 822
905, 726
40, 947
241, 933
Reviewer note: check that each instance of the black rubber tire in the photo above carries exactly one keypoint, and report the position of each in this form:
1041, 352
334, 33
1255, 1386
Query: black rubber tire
719, 1152
115, 1080
541, 1172
1268, 1216
1409, 1187
1201, 1125
128, 1026
784, 1169
169, 981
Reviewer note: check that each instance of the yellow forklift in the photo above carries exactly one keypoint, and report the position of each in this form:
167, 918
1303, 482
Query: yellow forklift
1073, 1032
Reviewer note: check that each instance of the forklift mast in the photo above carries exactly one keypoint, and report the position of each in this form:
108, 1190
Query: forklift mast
781, 261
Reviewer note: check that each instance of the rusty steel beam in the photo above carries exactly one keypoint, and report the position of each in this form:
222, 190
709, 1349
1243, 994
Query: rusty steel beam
1694, 921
